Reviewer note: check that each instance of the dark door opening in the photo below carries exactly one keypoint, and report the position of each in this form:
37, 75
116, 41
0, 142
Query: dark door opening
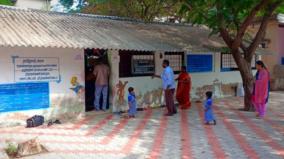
92, 58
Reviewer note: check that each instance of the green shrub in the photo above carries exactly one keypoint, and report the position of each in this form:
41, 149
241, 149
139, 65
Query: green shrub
6, 2
11, 149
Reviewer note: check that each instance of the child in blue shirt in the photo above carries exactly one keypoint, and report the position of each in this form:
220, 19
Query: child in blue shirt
208, 111
132, 103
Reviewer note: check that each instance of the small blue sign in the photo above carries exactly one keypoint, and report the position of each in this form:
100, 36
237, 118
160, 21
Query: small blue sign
23, 96
282, 60
199, 63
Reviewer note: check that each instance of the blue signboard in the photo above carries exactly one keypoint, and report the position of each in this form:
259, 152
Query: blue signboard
23, 96
282, 60
199, 63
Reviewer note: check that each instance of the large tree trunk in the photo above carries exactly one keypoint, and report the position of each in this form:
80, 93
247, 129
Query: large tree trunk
248, 88
248, 84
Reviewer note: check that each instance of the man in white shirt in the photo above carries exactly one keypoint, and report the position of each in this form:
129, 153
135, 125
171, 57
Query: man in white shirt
168, 83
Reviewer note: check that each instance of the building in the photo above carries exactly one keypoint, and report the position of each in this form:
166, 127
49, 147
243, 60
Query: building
274, 48
51, 5
46, 58
280, 19
34, 4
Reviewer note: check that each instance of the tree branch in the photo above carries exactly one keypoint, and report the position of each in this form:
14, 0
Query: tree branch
223, 31
226, 37
261, 31
244, 48
247, 22
200, 12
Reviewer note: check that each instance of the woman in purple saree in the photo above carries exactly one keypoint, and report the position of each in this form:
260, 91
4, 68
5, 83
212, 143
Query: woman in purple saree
261, 89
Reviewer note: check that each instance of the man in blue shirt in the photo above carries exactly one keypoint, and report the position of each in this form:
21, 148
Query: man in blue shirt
168, 84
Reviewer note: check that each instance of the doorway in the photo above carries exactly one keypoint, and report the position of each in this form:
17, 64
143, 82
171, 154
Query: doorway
92, 58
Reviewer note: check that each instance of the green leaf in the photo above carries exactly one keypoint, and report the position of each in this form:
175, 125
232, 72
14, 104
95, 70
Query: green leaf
6, 2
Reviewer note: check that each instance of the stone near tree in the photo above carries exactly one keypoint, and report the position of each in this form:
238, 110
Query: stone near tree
30, 147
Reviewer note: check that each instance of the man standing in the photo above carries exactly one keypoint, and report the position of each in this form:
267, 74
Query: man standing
101, 72
169, 87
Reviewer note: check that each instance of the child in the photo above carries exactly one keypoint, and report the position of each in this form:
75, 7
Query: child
208, 112
131, 103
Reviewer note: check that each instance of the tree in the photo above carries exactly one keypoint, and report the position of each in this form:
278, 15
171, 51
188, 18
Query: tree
66, 3
6, 2
231, 20
68, 6
146, 10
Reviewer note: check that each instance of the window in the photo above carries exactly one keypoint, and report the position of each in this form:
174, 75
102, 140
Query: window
176, 60
228, 63
199, 63
142, 64
136, 63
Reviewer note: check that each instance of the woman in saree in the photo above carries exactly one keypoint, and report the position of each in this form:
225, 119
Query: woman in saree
183, 89
261, 89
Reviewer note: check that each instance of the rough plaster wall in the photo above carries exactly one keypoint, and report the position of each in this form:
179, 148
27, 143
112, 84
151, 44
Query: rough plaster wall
279, 77
281, 42
64, 103
272, 34
114, 78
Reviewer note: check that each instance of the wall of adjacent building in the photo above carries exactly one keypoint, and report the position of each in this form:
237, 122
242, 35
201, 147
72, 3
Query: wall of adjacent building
275, 52
34, 4
65, 101
281, 42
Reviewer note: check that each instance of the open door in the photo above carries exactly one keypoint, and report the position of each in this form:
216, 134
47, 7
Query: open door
92, 58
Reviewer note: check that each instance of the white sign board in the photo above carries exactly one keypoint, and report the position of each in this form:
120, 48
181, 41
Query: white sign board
36, 69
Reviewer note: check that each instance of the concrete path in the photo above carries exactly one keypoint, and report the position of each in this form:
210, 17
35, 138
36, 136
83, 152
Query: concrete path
237, 135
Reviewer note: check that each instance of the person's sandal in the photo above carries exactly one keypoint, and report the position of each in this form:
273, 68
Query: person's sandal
50, 123
57, 121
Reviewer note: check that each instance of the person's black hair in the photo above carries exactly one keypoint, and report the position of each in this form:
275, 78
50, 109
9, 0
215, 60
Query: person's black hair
259, 62
130, 89
166, 62
209, 94
183, 67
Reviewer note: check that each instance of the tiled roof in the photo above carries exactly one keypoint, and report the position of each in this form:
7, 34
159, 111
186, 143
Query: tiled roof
34, 28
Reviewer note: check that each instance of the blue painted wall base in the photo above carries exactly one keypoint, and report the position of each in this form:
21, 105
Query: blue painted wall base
23, 96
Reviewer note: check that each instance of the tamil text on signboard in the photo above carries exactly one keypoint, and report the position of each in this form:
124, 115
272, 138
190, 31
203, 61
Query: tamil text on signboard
36, 69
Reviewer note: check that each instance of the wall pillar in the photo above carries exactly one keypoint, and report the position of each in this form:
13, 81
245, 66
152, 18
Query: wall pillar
114, 77
159, 57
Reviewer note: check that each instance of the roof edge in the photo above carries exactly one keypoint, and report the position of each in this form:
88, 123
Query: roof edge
127, 19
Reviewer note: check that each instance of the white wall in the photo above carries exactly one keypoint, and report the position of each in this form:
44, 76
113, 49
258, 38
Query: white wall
203, 81
64, 102
149, 90
34, 4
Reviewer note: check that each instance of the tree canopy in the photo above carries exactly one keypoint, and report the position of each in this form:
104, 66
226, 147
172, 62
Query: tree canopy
146, 10
6, 2
68, 5
233, 16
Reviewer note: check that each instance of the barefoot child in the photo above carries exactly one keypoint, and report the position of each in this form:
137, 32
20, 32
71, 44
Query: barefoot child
208, 112
131, 102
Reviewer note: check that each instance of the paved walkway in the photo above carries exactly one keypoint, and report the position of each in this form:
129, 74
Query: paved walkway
237, 135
